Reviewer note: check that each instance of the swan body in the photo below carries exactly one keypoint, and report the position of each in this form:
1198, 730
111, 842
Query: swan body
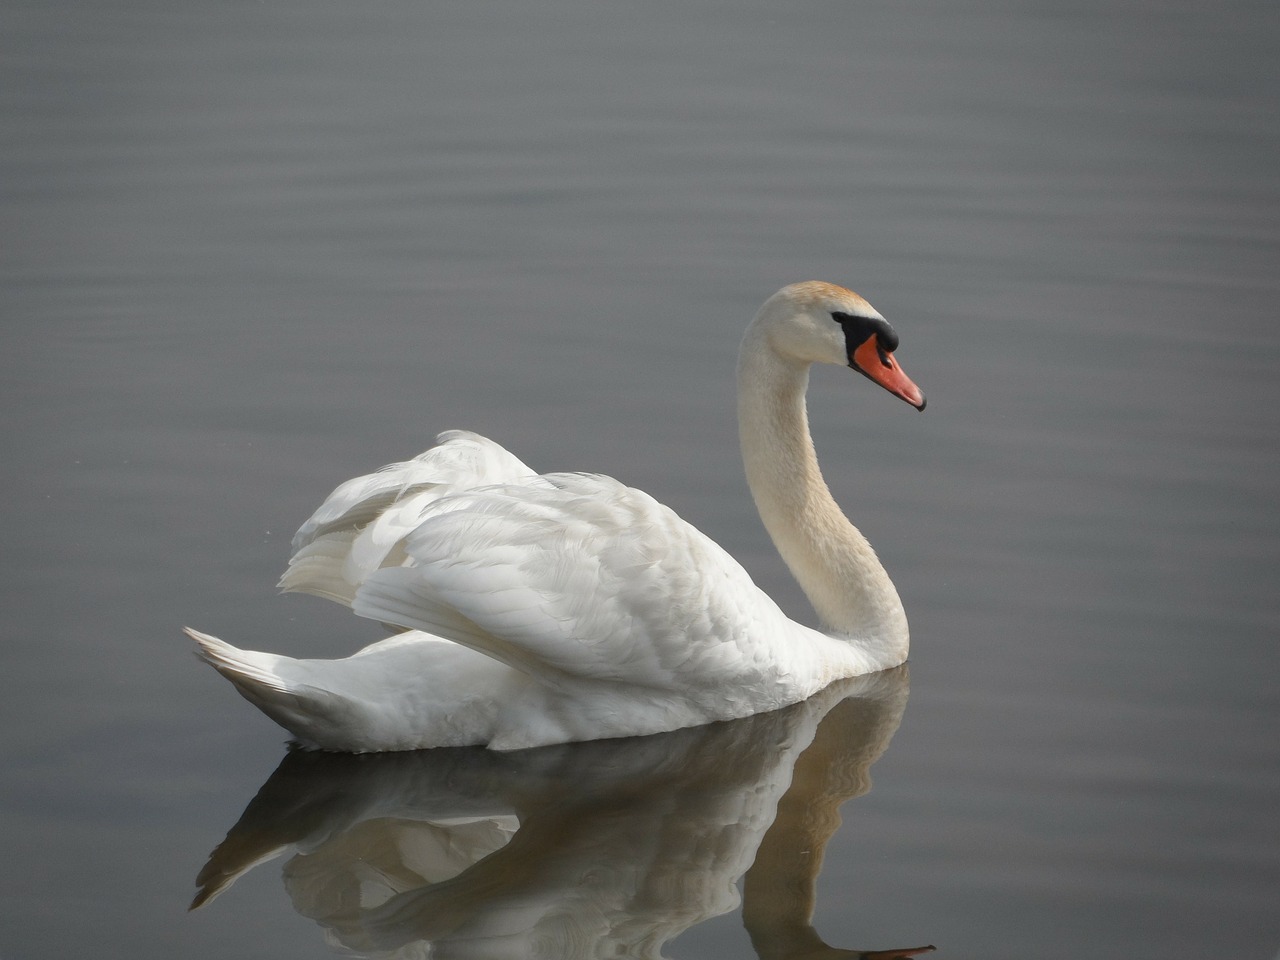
547, 608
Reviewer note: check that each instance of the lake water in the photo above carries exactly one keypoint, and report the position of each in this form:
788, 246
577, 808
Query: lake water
252, 249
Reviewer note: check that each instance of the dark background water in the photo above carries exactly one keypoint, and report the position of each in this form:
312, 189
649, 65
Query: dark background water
251, 249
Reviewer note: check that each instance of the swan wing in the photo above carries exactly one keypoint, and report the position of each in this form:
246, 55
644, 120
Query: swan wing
460, 459
572, 577
359, 527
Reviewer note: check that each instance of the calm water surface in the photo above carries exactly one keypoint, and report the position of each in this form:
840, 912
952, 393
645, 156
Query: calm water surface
253, 249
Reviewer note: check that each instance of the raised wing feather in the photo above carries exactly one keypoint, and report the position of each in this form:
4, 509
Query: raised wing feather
578, 577
459, 460
361, 525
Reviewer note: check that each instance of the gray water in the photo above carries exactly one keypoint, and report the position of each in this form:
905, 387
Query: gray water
252, 249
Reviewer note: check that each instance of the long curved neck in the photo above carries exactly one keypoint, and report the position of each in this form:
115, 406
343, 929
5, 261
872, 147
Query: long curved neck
832, 561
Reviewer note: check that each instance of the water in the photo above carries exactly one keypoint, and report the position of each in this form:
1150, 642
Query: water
253, 249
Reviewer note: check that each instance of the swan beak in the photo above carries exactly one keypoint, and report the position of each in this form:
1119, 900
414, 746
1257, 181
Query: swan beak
878, 365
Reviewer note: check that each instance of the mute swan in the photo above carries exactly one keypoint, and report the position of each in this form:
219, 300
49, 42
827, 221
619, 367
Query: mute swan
558, 607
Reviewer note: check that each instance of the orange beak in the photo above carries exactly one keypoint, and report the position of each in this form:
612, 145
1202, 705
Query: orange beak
879, 365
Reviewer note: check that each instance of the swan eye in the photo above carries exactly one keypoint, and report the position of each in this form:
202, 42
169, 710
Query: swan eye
858, 330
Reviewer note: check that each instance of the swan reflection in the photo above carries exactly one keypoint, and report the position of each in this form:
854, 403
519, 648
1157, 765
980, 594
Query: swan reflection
599, 849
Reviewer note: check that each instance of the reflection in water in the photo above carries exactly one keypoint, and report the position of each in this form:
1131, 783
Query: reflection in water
598, 849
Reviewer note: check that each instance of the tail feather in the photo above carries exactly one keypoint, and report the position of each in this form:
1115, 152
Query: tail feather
307, 711
241, 667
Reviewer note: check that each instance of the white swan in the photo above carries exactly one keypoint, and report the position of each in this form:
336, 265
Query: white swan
559, 607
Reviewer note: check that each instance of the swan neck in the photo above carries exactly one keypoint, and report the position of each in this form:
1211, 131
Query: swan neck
830, 559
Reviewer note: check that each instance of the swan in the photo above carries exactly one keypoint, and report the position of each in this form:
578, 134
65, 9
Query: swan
550, 608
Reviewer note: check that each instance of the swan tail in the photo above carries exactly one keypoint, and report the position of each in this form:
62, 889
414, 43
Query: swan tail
238, 666
304, 709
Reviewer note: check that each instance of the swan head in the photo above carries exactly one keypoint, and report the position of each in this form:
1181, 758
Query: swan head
815, 322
